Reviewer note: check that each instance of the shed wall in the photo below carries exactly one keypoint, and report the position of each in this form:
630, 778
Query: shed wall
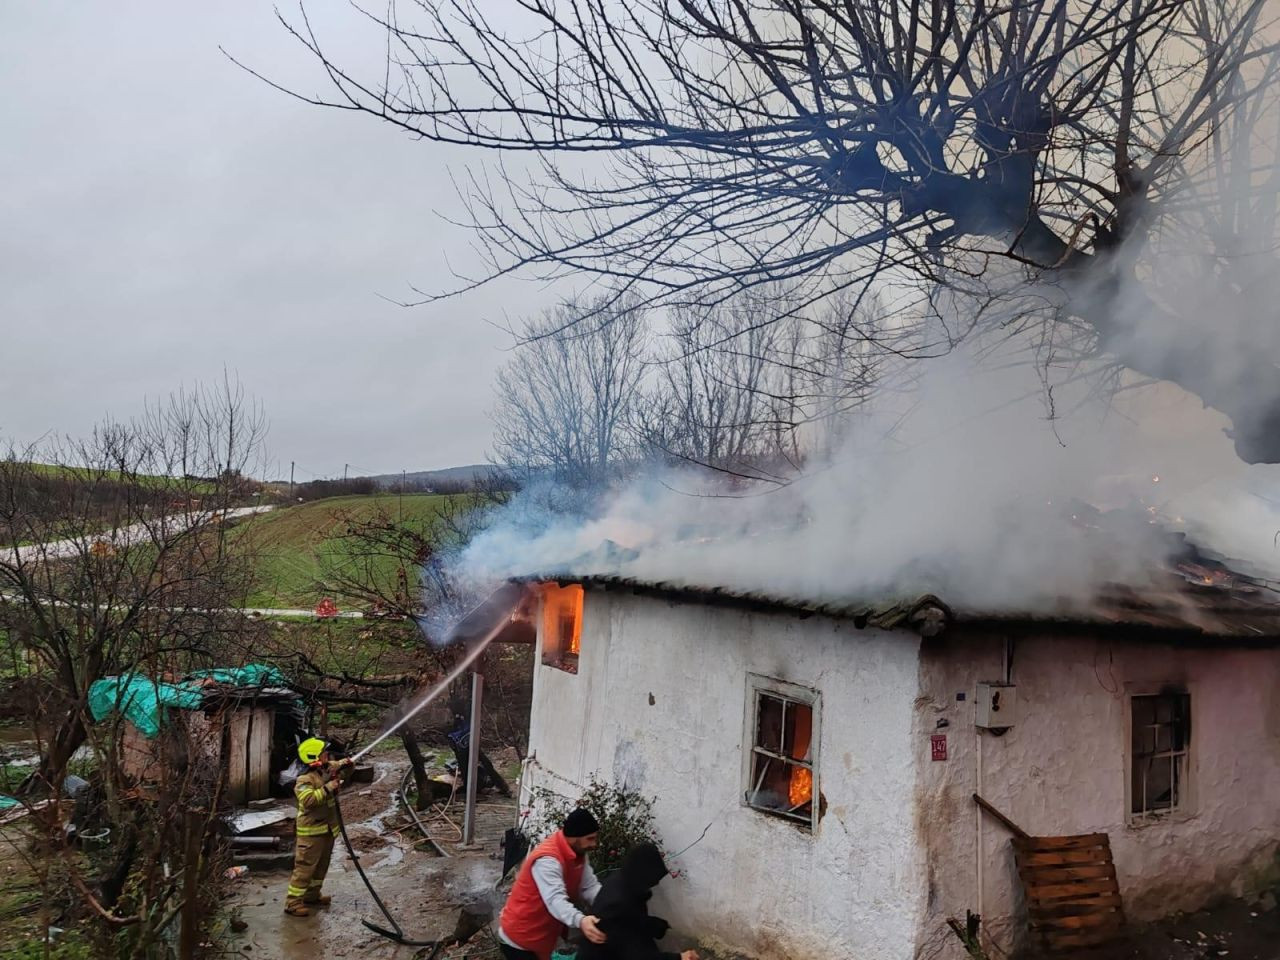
659, 704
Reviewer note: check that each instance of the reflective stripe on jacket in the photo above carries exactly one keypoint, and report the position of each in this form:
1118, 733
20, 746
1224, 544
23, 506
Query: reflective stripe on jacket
317, 812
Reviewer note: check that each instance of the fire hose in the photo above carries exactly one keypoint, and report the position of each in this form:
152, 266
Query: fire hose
395, 933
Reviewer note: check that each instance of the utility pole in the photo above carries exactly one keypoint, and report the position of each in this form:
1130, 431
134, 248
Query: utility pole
291, 466
402, 473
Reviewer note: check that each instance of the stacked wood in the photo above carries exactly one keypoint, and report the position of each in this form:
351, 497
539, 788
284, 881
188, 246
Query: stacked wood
1073, 899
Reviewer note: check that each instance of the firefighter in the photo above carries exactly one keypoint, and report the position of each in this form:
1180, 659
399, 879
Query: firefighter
316, 826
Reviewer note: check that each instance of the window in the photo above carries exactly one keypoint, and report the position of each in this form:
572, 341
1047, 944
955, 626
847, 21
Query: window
1161, 738
781, 768
562, 625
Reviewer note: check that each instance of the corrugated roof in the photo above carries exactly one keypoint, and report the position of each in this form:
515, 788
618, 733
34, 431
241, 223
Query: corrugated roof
1196, 598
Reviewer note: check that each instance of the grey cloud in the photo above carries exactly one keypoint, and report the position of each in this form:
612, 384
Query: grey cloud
166, 215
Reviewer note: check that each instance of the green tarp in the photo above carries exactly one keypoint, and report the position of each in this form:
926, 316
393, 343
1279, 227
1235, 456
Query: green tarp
6, 802
253, 675
141, 698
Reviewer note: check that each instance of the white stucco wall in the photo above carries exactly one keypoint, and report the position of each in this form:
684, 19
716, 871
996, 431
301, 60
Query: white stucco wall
1062, 770
658, 703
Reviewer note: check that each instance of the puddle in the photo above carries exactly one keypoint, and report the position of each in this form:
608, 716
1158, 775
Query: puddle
377, 824
17, 748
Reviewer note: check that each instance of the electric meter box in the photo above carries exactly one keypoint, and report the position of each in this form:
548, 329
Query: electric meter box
997, 705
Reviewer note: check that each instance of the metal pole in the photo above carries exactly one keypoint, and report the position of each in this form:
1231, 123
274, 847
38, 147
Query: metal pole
473, 760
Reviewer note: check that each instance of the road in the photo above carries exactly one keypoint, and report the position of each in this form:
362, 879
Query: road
121, 537
138, 532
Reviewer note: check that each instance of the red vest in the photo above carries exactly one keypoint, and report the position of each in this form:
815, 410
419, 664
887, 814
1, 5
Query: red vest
525, 918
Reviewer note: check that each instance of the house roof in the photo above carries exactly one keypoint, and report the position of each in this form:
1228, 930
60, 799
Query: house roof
1194, 598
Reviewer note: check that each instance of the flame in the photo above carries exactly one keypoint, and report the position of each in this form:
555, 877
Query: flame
561, 621
800, 785
572, 608
800, 790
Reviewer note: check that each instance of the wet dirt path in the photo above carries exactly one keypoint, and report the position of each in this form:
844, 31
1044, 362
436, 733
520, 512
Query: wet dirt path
423, 891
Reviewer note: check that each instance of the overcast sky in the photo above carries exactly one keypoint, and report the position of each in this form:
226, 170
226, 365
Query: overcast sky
164, 215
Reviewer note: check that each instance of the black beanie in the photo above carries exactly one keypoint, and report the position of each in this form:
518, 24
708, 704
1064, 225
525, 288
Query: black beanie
580, 823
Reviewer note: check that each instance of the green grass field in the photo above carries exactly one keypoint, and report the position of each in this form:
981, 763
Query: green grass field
94, 474
296, 546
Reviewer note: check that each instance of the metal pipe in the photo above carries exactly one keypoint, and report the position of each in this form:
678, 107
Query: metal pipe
979, 845
473, 760
273, 842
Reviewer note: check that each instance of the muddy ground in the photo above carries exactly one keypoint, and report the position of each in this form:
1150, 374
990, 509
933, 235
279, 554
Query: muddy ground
423, 891
1232, 930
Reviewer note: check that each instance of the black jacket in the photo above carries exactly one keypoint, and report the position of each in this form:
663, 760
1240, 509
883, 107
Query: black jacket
622, 907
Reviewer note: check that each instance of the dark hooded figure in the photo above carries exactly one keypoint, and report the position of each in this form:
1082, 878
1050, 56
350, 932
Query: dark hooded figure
622, 911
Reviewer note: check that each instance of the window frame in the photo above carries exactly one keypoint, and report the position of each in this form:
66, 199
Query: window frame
759, 685
1183, 804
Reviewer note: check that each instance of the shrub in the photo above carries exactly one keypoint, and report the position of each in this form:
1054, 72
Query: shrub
625, 817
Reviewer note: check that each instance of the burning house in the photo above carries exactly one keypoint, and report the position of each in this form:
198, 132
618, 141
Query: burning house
815, 763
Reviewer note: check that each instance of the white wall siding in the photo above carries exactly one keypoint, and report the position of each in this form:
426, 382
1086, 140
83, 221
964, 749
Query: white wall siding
659, 704
1062, 770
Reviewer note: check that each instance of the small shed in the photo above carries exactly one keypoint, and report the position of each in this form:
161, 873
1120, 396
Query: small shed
241, 725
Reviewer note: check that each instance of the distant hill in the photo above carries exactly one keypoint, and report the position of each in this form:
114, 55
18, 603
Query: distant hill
452, 478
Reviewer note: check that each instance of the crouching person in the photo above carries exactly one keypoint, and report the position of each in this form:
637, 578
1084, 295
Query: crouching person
553, 881
622, 911
316, 826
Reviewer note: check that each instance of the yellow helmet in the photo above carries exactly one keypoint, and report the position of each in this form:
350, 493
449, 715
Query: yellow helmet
309, 750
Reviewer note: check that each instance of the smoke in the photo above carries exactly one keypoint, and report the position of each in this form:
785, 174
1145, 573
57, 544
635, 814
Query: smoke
973, 493
972, 479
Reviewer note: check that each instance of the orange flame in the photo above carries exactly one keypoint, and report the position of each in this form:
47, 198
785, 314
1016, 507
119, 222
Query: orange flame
800, 785
573, 609
800, 790
562, 621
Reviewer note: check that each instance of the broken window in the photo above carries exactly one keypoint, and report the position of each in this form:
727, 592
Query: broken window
781, 775
562, 626
1161, 740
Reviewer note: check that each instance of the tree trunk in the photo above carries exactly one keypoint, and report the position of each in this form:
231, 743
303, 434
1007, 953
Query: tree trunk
53, 765
189, 934
419, 766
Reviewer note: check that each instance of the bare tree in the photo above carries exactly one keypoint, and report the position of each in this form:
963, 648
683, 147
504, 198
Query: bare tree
405, 569
734, 388
117, 545
564, 400
116, 558
833, 143
710, 403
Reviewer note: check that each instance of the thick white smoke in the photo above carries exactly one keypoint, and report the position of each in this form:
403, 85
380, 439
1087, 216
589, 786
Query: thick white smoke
975, 495
964, 485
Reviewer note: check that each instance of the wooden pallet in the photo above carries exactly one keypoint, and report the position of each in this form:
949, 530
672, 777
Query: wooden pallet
1073, 900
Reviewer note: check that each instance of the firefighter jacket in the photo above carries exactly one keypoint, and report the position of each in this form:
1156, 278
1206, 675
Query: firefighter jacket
317, 808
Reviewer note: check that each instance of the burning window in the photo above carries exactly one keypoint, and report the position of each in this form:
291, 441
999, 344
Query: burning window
1161, 741
562, 626
782, 767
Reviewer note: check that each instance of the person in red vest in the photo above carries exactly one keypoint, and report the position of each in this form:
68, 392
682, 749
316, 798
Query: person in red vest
553, 881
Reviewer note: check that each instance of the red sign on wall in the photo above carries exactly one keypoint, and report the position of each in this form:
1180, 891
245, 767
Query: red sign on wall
938, 746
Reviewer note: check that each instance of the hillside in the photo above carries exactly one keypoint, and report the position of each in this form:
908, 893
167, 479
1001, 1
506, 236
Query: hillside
450, 476
294, 547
